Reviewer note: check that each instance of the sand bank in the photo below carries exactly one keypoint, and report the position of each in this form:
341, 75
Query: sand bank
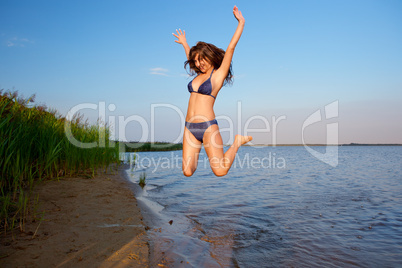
86, 223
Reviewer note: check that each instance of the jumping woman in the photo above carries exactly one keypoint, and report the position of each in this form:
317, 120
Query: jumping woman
213, 67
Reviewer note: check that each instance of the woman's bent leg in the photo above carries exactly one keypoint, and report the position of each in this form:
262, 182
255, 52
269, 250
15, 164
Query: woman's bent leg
221, 162
191, 151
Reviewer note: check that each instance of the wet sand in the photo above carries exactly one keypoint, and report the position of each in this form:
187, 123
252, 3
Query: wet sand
85, 223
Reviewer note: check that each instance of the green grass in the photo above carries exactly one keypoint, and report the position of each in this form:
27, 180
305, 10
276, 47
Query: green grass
142, 179
34, 147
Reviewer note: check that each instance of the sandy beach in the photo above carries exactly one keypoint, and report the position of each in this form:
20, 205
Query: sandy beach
85, 223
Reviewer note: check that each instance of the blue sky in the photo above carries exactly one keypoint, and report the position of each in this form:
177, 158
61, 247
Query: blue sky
294, 58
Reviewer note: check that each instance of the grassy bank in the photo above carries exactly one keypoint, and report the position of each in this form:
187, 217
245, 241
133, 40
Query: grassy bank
34, 147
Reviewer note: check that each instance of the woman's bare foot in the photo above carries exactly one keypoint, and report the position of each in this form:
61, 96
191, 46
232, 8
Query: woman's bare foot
240, 140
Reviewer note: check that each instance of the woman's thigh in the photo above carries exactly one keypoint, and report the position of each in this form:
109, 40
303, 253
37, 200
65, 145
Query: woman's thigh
213, 145
191, 151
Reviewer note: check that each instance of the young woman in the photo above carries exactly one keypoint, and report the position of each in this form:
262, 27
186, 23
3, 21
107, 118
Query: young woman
214, 69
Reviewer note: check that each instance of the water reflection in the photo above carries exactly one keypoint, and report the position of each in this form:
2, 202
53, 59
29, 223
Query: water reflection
302, 213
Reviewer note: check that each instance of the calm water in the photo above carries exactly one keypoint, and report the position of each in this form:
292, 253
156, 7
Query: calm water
277, 207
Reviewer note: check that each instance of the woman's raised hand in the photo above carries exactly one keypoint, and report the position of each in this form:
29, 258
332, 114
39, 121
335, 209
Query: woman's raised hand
181, 39
238, 15
181, 36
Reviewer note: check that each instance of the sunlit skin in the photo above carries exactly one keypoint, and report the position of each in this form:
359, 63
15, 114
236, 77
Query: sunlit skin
200, 109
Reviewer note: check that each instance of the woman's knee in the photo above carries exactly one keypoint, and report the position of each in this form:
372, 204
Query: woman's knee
189, 166
219, 172
188, 173
188, 170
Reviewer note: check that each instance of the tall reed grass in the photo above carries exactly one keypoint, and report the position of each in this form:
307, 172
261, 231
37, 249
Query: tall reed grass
34, 147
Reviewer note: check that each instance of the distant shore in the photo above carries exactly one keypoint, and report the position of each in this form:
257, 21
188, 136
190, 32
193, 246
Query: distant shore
148, 146
80, 222
318, 144
166, 146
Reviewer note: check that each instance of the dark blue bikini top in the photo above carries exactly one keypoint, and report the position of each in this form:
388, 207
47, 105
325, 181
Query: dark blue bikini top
205, 88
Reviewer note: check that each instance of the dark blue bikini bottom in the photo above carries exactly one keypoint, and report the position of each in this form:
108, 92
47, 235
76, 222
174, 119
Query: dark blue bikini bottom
198, 129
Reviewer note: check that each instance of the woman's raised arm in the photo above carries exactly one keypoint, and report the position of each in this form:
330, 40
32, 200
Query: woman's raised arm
223, 70
181, 36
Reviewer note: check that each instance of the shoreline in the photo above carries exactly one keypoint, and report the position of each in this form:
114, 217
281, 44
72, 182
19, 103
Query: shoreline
163, 230
80, 223
153, 220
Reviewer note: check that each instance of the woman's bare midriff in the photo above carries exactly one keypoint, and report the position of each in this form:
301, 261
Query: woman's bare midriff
200, 108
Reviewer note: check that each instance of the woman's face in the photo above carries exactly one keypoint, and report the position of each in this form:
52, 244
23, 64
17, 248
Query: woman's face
202, 64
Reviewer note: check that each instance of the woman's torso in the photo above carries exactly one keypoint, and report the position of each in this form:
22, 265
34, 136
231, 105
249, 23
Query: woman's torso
200, 108
201, 104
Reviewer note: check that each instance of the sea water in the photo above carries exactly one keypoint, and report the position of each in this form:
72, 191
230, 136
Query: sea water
277, 207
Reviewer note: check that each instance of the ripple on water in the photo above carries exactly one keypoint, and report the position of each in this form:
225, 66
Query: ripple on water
307, 214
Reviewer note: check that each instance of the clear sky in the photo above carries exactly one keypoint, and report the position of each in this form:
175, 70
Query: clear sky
294, 58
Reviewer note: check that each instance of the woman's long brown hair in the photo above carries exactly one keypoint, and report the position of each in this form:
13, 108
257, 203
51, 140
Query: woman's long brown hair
210, 53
